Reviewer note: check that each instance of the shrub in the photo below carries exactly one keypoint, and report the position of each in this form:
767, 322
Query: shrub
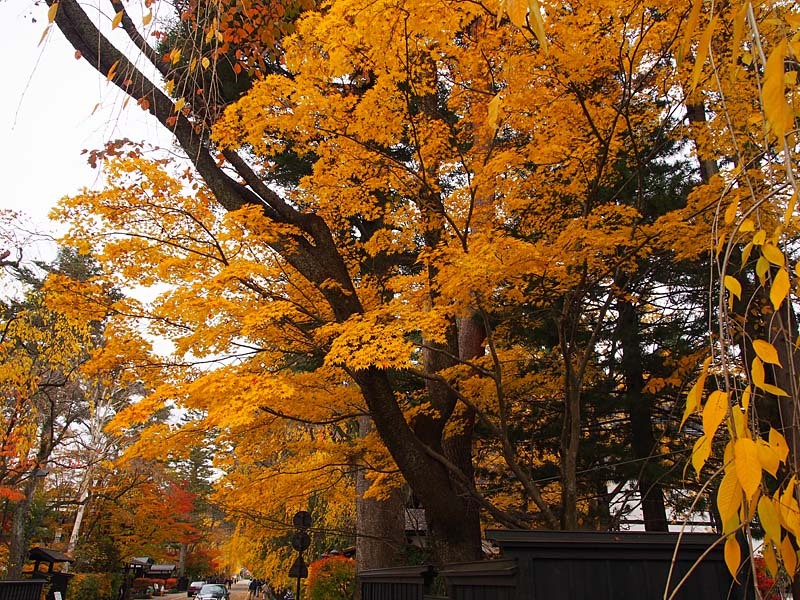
332, 578
93, 586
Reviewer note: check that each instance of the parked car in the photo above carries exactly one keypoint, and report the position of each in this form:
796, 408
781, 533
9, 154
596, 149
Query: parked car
194, 588
213, 591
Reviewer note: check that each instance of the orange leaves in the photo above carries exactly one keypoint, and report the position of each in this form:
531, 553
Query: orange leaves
374, 340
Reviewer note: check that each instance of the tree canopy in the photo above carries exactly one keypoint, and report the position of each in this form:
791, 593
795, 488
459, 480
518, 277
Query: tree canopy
477, 249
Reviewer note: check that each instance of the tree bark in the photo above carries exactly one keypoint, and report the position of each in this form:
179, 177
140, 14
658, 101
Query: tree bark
640, 411
380, 524
18, 550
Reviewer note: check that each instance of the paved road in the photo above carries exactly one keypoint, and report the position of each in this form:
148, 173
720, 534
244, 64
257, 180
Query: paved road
238, 592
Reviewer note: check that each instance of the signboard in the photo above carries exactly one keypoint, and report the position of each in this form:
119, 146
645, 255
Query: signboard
298, 569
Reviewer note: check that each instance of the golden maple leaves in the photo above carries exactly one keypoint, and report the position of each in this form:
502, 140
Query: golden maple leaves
525, 139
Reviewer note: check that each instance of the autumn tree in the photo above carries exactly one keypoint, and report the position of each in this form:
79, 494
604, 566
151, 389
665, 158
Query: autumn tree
434, 195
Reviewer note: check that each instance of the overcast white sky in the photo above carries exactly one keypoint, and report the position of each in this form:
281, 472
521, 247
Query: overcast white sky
46, 119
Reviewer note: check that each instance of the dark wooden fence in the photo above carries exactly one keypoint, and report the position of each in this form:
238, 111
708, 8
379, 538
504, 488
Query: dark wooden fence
28, 589
558, 565
402, 583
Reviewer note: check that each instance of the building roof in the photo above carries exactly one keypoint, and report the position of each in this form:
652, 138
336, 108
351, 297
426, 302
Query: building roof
162, 568
48, 555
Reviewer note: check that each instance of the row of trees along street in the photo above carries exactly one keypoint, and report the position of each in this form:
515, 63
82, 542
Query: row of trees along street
64, 480
506, 261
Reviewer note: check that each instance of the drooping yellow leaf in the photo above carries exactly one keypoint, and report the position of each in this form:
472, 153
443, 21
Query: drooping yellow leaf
205, 62
746, 253
736, 41
691, 24
760, 237
179, 104
746, 399
696, 393
768, 457
773, 254
720, 243
51, 12
789, 556
789, 212
117, 19
714, 411
537, 23
778, 443
769, 518
774, 390
147, 18
747, 225
739, 422
702, 52
729, 496
757, 372
733, 286
169, 87
700, 452
770, 560
730, 212
766, 352
777, 110
779, 289
733, 555
517, 11
790, 512
493, 118
748, 467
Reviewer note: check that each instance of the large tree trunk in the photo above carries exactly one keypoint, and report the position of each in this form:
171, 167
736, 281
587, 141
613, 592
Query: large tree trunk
640, 411
445, 508
18, 550
570, 440
380, 524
